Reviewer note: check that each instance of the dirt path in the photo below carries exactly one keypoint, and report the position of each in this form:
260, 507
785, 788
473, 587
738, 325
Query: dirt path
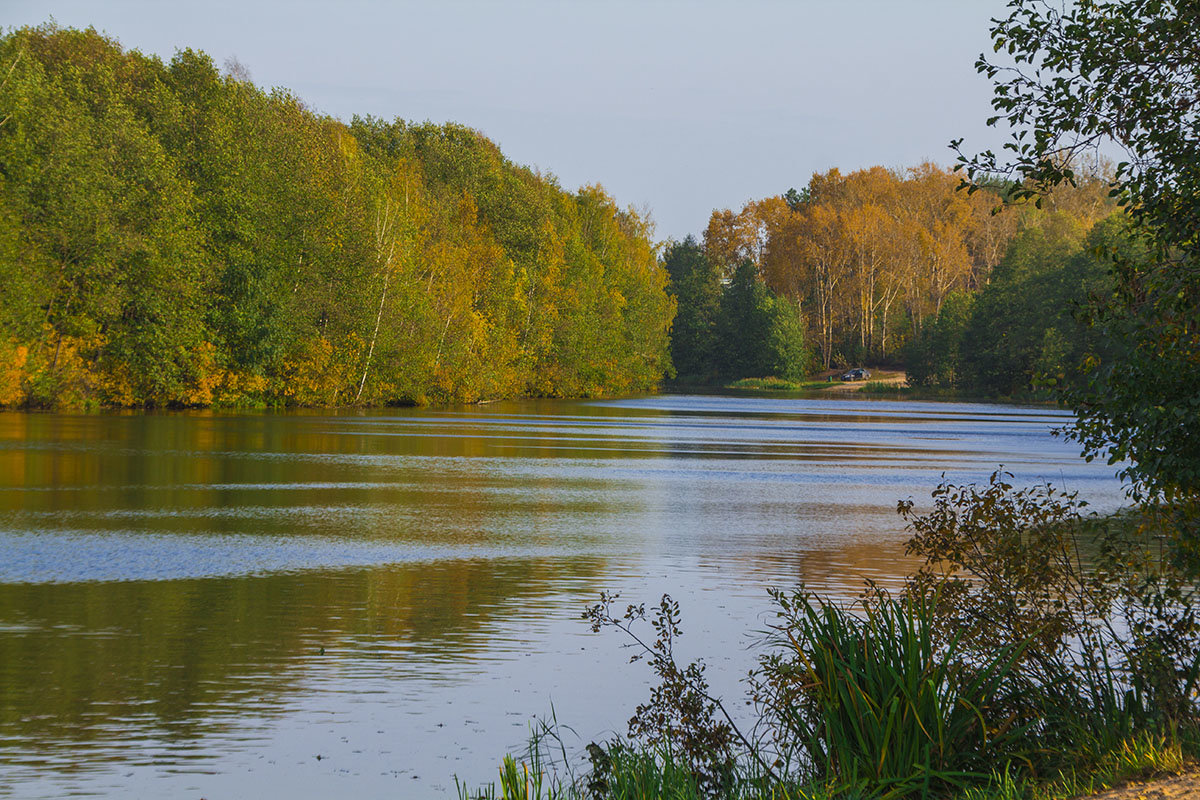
1178, 787
890, 377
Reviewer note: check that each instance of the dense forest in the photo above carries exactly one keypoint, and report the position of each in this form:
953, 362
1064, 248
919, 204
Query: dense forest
1023, 331
171, 234
729, 324
901, 267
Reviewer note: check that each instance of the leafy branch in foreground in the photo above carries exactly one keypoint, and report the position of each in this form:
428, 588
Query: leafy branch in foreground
1072, 77
680, 719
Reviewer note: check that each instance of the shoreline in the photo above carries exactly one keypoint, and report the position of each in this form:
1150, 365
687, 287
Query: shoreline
884, 384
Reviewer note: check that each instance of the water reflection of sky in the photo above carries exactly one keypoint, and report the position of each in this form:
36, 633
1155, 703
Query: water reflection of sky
199, 604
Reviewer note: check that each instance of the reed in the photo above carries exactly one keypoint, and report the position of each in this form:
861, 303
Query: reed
876, 702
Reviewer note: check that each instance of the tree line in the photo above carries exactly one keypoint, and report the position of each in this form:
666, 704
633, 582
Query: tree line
171, 234
1024, 331
897, 266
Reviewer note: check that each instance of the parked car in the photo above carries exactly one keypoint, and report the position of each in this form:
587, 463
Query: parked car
856, 374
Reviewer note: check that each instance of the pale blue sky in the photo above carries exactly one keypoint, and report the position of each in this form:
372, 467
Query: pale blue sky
681, 107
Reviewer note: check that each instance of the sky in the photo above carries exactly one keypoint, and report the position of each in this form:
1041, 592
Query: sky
678, 107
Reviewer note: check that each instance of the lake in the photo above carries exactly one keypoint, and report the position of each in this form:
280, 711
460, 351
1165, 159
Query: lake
301, 604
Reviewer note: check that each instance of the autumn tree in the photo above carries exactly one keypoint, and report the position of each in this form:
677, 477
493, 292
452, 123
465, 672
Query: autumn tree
867, 256
732, 238
171, 234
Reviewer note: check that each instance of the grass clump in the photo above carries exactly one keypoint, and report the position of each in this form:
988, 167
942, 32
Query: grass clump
876, 704
772, 384
1144, 755
622, 770
882, 387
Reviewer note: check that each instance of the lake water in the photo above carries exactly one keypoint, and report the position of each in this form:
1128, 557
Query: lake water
301, 605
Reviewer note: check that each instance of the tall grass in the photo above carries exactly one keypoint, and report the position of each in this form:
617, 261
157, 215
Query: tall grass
882, 387
622, 772
876, 702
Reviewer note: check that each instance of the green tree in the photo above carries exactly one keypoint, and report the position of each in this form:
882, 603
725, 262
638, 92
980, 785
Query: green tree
173, 235
106, 222
786, 353
934, 356
1121, 74
758, 333
741, 325
1032, 288
696, 287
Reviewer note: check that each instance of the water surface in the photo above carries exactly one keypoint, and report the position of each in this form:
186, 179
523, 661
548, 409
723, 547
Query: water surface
209, 605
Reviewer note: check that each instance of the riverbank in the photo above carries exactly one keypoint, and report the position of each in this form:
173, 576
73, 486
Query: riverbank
515, 782
884, 383
827, 382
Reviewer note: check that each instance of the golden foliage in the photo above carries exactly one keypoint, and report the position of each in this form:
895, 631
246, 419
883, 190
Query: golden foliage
866, 251
13, 359
239, 389
62, 373
321, 374
205, 377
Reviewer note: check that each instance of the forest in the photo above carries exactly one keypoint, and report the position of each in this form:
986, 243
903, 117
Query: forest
966, 290
173, 235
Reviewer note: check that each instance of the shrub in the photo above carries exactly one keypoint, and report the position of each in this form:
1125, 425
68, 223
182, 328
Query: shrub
1113, 626
878, 705
681, 719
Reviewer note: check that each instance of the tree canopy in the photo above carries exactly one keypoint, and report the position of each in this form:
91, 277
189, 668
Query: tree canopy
865, 258
174, 235
1021, 332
